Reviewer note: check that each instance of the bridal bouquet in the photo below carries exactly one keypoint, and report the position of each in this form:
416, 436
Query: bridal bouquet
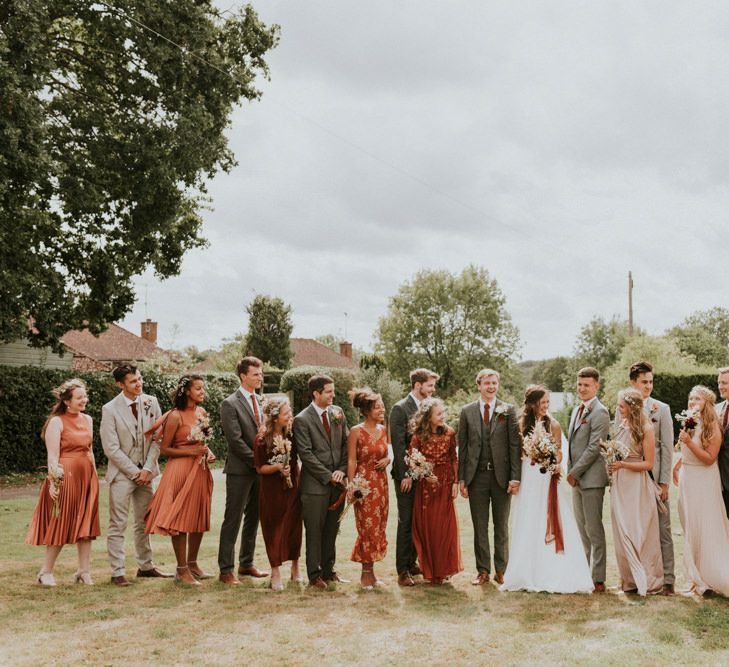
541, 448
281, 451
356, 491
689, 420
418, 466
201, 432
613, 451
55, 480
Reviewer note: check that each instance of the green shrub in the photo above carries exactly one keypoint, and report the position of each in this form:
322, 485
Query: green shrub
674, 389
26, 400
296, 381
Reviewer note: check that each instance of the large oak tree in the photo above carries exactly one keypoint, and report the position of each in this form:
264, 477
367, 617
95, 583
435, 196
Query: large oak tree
108, 132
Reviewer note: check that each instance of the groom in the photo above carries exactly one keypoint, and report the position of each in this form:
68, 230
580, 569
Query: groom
590, 423
489, 453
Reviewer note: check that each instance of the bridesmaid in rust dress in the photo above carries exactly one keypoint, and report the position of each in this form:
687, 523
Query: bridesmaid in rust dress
279, 500
180, 507
367, 456
435, 526
68, 510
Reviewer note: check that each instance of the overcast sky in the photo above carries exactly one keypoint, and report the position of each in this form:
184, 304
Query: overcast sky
558, 144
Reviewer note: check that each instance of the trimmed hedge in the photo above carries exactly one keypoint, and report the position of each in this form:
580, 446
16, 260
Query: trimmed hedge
674, 389
26, 400
296, 381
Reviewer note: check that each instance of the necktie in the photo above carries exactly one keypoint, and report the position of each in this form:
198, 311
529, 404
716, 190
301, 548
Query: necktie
486, 409
133, 406
726, 414
325, 421
256, 414
579, 416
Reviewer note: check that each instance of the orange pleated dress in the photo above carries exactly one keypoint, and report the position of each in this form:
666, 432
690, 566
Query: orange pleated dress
78, 500
181, 503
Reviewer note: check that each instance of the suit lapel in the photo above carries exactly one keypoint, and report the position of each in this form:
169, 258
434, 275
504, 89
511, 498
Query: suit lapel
573, 422
126, 414
494, 417
320, 425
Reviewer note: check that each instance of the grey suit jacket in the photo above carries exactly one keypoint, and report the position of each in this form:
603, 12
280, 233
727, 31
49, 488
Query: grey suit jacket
119, 433
660, 415
723, 459
505, 443
400, 415
585, 463
240, 428
319, 455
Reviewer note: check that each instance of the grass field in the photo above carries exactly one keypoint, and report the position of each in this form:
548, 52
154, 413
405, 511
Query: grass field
157, 622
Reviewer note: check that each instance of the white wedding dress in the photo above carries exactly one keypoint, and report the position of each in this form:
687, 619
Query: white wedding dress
534, 565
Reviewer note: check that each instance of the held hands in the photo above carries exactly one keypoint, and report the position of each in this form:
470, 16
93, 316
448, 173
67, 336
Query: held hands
382, 463
406, 485
337, 477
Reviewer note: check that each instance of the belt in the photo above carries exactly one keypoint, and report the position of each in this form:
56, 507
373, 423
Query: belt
486, 466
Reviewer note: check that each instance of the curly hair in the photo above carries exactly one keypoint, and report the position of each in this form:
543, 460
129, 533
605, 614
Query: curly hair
636, 419
364, 399
709, 419
271, 411
420, 423
178, 395
63, 393
528, 417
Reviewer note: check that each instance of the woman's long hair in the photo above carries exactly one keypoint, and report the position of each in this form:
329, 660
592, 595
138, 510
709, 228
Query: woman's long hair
708, 416
528, 418
420, 423
636, 418
62, 393
178, 395
271, 411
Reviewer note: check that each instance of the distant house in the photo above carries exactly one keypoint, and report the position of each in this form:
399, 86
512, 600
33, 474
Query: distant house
86, 352
310, 352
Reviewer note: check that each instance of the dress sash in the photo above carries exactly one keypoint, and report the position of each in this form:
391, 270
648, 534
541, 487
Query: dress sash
554, 526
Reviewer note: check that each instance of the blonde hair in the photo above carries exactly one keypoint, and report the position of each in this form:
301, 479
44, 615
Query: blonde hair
271, 411
485, 372
63, 393
709, 420
636, 417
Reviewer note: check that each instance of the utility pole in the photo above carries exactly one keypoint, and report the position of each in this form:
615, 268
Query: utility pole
345, 326
630, 303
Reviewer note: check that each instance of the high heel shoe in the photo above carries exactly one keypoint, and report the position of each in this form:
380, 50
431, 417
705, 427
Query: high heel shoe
196, 571
83, 577
46, 578
184, 576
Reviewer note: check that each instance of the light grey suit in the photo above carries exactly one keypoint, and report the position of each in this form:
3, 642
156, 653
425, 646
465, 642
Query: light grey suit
660, 415
241, 482
128, 452
588, 468
488, 459
320, 456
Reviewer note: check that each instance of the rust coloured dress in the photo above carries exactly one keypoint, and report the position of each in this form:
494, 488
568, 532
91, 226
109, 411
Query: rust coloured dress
279, 508
370, 514
181, 503
78, 500
435, 525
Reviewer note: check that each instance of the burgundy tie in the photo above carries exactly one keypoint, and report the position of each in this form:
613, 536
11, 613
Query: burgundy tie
133, 406
486, 409
256, 414
325, 420
579, 415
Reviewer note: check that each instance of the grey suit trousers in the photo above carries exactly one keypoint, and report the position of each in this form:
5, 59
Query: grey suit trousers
587, 504
241, 497
664, 527
322, 526
122, 492
484, 492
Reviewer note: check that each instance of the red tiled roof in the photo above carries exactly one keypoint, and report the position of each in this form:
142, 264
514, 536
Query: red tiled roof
113, 345
310, 352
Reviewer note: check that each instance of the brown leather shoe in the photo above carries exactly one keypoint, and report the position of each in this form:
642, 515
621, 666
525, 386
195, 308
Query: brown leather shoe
415, 570
228, 578
154, 572
252, 571
481, 579
121, 580
318, 583
404, 579
599, 587
335, 578
499, 578
668, 589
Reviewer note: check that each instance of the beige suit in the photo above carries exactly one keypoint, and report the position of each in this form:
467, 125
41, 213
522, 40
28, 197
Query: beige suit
128, 451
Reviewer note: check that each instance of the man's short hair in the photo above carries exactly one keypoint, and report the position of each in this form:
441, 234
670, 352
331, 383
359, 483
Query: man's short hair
639, 368
318, 382
589, 372
724, 370
422, 375
120, 372
246, 362
485, 372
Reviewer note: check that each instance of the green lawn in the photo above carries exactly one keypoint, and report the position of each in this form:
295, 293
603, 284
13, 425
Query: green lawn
157, 622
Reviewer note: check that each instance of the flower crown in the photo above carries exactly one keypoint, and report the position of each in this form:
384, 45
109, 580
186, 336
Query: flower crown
73, 383
182, 387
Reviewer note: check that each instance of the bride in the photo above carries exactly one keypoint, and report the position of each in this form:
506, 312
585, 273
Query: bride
545, 556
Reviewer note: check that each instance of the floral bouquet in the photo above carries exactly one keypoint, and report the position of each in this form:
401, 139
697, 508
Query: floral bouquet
356, 491
55, 479
689, 420
201, 432
281, 451
613, 451
419, 467
541, 448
